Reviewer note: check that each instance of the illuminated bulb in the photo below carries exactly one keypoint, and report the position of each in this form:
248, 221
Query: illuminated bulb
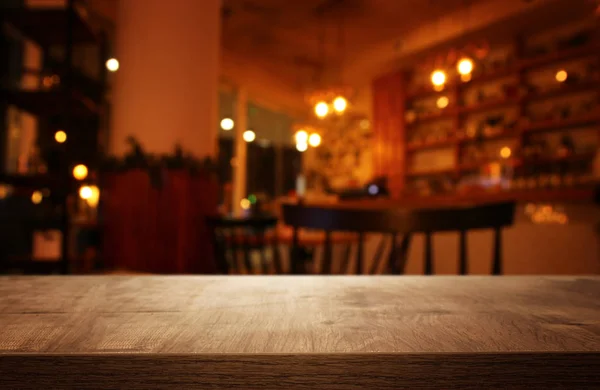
227, 124
60, 136
340, 104
505, 152
86, 192
466, 77
301, 136
438, 78
3, 191
321, 109
465, 66
442, 102
314, 140
80, 172
249, 136
245, 204
94, 196
36, 197
561, 76
112, 64
301, 146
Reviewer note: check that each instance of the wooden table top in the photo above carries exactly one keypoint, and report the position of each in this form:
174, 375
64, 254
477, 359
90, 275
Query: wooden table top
336, 332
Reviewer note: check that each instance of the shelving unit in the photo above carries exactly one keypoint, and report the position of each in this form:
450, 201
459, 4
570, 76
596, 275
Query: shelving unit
456, 139
72, 101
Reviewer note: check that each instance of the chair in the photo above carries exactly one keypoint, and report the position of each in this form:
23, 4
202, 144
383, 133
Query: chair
398, 223
236, 240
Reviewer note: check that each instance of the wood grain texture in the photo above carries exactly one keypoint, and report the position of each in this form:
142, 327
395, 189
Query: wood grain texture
269, 332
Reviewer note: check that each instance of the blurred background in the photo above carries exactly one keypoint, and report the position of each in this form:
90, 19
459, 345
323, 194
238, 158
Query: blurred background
152, 136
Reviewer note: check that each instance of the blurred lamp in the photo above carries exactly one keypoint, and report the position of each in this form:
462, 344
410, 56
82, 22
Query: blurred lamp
245, 204
321, 109
249, 136
80, 172
443, 102
60, 136
561, 76
465, 66
112, 65
36, 197
314, 140
86, 192
340, 104
227, 124
301, 146
301, 136
438, 78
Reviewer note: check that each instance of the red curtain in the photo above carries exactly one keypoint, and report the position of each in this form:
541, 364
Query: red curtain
158, 228
389, 130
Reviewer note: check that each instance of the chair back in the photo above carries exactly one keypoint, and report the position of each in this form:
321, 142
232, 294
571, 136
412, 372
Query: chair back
399, 223
237, 241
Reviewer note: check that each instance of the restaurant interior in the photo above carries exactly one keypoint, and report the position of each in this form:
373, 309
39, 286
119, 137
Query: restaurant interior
253, 137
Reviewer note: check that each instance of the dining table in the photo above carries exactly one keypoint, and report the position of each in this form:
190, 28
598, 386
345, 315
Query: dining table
299, 332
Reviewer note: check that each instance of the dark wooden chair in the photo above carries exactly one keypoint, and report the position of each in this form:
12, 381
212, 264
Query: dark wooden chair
236, 240
399, 225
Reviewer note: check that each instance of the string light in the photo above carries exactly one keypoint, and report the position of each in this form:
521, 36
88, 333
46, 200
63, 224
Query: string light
465, 66
249, 136
321, 109
60, 136
80, 172
314, 140
301, 146
340, 104
227, 124
112, 64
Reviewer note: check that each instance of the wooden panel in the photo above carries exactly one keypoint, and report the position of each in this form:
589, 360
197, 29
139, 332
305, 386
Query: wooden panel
335, 332
389, 130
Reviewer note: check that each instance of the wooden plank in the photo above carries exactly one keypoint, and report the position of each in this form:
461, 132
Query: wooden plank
336, 332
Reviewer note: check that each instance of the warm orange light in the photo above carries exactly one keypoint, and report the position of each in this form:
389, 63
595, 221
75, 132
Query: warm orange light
94, 197
245, 204
340, 104
227, 124
438, 78
249, 136
465, 66
466, 77
505, 152
80, 172
301, 136
314, 140
321, 109
112, 64
36, 197
442, 102
561, 76
60, 136
301, 146
86, 192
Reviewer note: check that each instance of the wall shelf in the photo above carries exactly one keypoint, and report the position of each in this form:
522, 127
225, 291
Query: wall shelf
521, 102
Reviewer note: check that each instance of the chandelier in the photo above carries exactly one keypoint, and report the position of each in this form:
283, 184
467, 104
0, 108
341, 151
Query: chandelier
330, 98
